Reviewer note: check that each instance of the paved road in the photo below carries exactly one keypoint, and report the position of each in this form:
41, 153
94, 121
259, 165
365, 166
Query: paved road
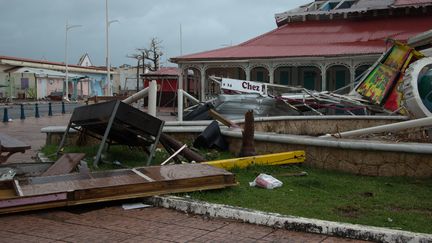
110, 223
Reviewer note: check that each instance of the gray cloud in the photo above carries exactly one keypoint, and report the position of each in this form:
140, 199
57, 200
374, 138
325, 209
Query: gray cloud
36, 29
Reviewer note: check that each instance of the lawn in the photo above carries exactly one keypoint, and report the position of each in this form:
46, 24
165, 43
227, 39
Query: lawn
398, 203
393, 202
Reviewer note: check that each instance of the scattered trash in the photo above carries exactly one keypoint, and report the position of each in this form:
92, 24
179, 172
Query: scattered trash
128, 206
7, 174
266, 181
390, 220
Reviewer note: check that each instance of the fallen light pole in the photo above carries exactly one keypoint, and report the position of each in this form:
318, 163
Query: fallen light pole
422, 122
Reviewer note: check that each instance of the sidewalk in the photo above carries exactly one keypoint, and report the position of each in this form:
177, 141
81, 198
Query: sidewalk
111, 223
28, 131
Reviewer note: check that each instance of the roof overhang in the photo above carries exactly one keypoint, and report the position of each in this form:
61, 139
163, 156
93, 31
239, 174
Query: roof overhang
18, 63
44, 73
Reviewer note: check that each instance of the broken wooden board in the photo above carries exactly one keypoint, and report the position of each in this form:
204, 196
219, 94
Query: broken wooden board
65, 164
267, 159
73, 189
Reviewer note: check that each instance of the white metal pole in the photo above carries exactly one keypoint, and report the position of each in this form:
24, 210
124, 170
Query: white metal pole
68, 27
180, 105
66, 64
152, 98
107, 50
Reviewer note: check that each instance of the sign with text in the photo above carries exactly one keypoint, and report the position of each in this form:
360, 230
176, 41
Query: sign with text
243, 86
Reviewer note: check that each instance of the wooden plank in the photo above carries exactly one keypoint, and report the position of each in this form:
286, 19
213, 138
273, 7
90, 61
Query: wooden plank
65, 164
107, 186
126, 178
17, 188
268, 159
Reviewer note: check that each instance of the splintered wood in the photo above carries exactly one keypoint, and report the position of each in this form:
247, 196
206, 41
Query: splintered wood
72, 189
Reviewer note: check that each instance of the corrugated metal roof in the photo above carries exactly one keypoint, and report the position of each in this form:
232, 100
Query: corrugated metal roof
47, 62
321, 38
411, 2
164, 71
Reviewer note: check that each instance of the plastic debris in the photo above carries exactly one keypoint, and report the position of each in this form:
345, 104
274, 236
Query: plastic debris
266, 181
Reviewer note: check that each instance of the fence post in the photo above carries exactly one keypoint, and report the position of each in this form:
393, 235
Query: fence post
49, 109
37, 110
5, 115
22, 117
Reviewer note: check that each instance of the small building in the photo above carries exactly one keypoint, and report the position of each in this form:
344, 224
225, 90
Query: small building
323, 45
36, 79
167, 83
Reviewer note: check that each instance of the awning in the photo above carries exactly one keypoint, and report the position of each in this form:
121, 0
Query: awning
41, 73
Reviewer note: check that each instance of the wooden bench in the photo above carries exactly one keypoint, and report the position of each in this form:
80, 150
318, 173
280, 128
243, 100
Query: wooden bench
10, 145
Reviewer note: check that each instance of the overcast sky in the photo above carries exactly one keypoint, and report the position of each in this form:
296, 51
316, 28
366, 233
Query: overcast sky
36, 29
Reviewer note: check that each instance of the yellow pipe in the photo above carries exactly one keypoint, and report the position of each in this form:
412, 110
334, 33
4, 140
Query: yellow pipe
267, 159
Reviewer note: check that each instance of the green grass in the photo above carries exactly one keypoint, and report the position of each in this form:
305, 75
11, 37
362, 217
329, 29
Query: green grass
128, 158
393, 202
398, 203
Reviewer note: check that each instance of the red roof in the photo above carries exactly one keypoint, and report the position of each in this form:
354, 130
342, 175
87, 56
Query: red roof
321, 38
164, 71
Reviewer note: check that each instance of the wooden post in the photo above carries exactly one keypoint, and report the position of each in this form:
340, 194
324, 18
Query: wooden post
248, 147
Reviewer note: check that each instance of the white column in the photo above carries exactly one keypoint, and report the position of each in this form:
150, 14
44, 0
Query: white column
248, 73
271, 75
352, 77
202, 84
152, 98
323, 77
180, 79
180, 105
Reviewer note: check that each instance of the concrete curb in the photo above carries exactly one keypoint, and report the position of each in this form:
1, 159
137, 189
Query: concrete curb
330, 228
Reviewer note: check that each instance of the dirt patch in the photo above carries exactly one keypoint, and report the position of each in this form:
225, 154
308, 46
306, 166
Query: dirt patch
348, 211
367, 194
425, 211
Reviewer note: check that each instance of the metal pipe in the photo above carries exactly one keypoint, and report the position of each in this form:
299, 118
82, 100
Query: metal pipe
133, 98
336, 143
422, 122
152, 98
190, 97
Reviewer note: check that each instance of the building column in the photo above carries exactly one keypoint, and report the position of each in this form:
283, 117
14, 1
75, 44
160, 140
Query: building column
323, 69
202, 84
248, 73
352, 77
271, 74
